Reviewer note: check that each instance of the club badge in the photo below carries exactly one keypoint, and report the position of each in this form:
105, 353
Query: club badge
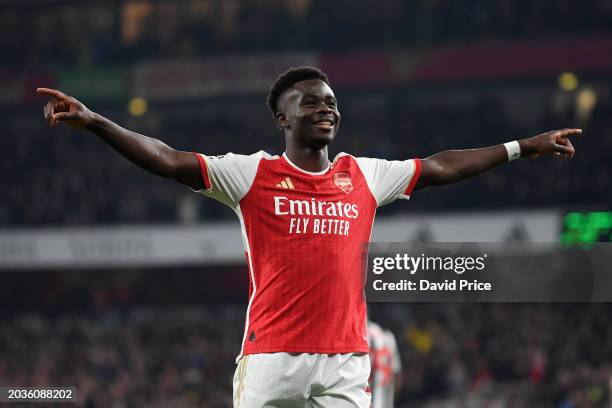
343, 181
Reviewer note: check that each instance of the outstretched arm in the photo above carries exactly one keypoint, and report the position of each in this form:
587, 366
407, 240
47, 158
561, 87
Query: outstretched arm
455, 165
151, 154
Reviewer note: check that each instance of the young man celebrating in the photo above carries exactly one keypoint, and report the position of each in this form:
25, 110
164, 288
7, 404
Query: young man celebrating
304, 223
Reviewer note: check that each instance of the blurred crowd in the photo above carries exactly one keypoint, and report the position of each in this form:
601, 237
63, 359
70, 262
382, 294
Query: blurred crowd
169, 358
60, 177
169, 337
516, 355
64, 177
76, 34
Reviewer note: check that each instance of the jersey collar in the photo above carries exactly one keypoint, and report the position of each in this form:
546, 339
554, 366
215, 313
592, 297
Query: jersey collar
312, 173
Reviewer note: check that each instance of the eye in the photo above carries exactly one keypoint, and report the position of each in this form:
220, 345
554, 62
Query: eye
331, 102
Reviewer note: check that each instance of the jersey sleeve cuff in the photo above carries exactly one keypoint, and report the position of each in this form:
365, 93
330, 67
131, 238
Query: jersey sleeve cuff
415, 177
204, 170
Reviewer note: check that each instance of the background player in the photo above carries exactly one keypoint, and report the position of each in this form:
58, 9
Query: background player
305, 337
385, 378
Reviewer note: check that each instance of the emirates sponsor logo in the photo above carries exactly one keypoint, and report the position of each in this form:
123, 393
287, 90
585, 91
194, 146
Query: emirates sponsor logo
286, 206
343, 181
316, 217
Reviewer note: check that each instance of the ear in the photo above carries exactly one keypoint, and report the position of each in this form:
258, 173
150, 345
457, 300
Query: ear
281, 120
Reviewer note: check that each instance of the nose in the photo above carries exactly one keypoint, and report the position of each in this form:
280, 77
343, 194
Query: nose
323, 108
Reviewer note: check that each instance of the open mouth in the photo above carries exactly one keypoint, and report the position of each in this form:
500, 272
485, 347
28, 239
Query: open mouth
324, 124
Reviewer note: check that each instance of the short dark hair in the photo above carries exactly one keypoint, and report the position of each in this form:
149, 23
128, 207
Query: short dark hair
289, 78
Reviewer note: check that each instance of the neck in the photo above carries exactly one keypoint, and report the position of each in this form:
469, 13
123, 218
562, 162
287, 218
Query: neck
309, 159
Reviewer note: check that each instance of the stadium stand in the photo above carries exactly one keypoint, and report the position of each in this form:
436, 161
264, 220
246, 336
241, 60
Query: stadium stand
146, 339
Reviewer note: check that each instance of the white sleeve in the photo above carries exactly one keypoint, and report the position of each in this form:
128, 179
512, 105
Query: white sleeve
396, 363
229, 177
389, 180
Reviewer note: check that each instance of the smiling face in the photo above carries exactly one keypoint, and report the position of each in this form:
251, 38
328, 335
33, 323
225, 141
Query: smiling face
308, 112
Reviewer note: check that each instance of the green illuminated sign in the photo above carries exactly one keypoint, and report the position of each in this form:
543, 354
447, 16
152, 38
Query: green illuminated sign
587, 227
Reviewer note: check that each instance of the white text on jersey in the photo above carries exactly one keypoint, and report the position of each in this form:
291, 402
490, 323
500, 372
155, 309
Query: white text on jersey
285, 206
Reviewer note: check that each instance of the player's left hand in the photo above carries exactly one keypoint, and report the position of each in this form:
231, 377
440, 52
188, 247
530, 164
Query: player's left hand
555, 142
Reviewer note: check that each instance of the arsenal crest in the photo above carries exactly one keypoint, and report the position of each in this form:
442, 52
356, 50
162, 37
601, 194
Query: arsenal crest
343, 181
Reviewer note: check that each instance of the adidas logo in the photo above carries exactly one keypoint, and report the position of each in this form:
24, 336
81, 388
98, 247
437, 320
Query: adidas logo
286, 183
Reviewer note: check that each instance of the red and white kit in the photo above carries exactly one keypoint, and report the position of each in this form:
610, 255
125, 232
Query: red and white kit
386, 365
304, 235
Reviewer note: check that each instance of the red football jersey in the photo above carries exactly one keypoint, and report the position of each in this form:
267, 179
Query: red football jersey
304, 235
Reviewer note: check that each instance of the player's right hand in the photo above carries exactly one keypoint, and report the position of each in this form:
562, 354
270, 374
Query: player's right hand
65, 109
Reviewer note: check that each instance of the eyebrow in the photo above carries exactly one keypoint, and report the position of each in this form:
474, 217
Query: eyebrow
327, 96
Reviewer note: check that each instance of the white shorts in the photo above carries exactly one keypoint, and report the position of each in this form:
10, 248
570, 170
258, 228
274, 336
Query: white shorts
284, 380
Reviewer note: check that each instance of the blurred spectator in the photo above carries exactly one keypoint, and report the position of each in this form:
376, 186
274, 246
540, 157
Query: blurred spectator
74, 33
